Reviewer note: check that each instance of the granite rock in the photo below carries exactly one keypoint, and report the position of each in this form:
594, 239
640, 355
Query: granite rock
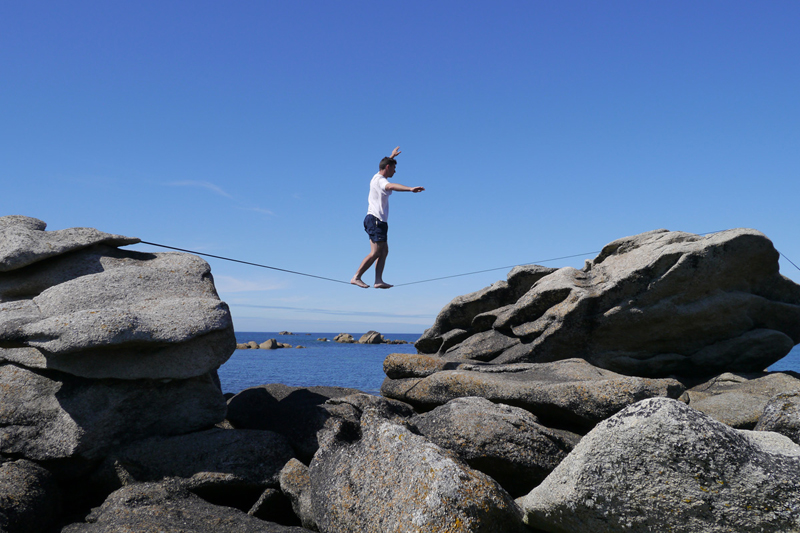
30, 500
656, 304
660, 465
782, 415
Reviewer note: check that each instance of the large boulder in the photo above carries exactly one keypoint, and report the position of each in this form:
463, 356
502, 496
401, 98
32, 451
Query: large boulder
504, 442
49, 415
292, 411
30, 501
782, 415
656, 304
225, 466
569, 394
379, 476
168, 507
739, 400
95, 311
660, 465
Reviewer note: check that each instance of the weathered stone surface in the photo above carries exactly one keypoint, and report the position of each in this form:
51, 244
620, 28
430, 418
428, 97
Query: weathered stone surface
24, 241
269, 344
504, 442
379, 476
291, 411
296, 483
168, 507
739, 399
660, 465
29, 498
459, 314
782, 415
274, 506
240, 457
52, 415
371, 337
657, 304
102, 312
569, 393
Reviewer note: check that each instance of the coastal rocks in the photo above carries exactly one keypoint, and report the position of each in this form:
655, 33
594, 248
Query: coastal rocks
371, 337
344, 338
225, 466
48, 415
291, 411
782, 415
656, 304
101, 312
739, 399
29, 498
660, 465
504, 442
296, 483
269, 344
379, 476
569, 394
168, 507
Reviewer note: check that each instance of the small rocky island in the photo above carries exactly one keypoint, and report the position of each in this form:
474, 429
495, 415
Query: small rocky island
629, 395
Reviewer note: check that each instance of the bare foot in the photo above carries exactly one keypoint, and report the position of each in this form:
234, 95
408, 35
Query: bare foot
357, 281
383, 285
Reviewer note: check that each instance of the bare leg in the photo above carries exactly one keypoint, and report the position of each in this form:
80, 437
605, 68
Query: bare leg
383, 251
373, 255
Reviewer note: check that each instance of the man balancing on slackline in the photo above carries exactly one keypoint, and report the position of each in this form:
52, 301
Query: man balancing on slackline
376, 222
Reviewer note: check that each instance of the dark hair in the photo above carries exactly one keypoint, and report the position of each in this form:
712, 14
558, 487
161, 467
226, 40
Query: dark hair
386, 161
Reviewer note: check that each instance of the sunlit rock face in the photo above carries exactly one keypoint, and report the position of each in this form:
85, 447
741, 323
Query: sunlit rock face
656, 304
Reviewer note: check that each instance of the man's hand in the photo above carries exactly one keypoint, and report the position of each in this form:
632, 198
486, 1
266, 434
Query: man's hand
417, 189
395, 152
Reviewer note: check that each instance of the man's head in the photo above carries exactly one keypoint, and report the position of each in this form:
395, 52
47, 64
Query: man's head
387, 164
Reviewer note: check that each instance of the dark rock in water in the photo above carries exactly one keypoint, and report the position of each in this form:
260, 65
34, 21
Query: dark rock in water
657, 304
782, 415
383, 477
504, 442
168, 507
51, 415
739, 399
291, 411
570, 394
371, 337
660, 465
30, 501
344, 338
220, 463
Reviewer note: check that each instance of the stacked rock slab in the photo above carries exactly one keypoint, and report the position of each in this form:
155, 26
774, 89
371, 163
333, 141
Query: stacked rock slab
656, 304
100, 346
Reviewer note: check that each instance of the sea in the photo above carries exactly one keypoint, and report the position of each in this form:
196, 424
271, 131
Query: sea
357, 366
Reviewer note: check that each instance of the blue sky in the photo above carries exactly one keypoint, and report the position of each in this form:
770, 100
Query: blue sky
539, 129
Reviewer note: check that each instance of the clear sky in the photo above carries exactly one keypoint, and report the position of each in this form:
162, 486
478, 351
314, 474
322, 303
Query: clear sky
540, 130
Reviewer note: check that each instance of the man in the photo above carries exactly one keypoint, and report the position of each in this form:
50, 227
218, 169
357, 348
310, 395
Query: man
376, 222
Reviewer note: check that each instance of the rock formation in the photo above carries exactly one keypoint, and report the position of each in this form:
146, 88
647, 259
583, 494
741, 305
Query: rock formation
656, 304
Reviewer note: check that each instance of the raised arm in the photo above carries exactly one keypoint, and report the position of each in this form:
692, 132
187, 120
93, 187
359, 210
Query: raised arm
403, 188
395, 152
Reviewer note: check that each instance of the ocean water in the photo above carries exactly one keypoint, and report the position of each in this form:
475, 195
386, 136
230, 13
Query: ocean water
359, 366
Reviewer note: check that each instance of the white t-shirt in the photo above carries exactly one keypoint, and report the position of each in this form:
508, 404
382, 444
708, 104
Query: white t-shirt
379, 198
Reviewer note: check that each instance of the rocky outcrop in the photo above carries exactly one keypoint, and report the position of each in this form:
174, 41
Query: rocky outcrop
345, 338
379, 476
30, 501
168, 507
656, 304
782, 415
660, 465
570, 394
291, 411
506, 443
739, 400
371, 337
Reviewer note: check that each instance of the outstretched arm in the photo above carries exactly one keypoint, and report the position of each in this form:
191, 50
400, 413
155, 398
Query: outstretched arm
395, 152
402, 188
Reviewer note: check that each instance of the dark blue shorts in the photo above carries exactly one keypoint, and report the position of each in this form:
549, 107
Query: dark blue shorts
378, 231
